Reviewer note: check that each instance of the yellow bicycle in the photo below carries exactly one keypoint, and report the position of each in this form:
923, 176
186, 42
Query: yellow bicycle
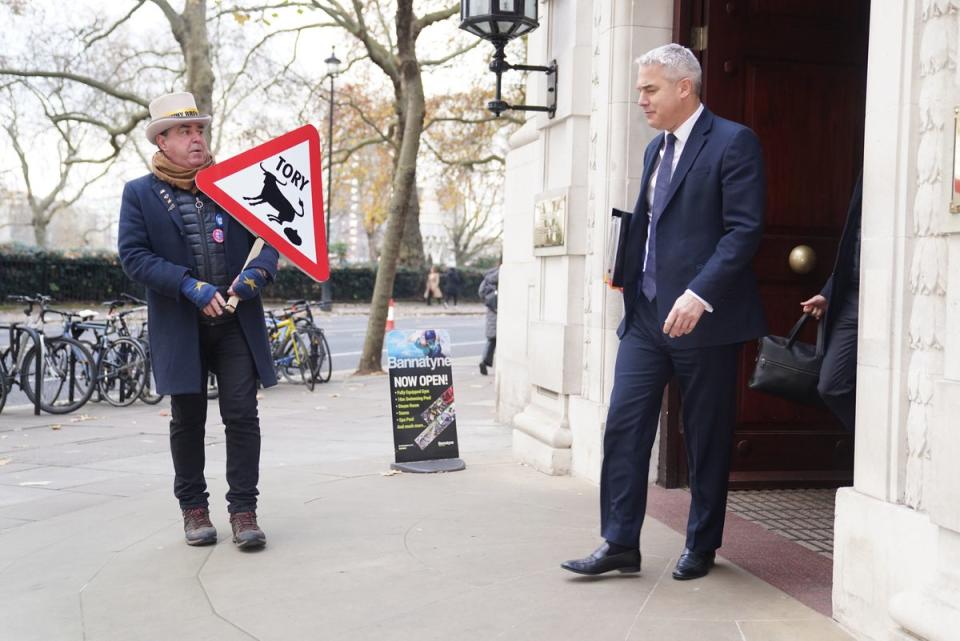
288, 349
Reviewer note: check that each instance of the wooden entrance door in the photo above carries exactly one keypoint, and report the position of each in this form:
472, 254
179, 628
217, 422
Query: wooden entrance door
794, 71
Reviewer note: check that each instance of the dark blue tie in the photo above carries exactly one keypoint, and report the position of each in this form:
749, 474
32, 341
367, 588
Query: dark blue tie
649, 283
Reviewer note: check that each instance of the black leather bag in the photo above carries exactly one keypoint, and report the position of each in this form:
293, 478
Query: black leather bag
788, 368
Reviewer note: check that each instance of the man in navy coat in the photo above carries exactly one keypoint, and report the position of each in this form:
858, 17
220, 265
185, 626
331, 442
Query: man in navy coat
690, 300
190, 255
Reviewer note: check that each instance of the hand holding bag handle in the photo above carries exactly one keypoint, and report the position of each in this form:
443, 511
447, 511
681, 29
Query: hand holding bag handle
795, 331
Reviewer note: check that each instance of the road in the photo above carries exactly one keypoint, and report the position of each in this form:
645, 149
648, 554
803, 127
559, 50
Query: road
345, 335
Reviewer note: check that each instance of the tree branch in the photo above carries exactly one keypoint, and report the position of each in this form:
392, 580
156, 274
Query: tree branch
116, 24
422, 23
263, 7
446, 59
84, 80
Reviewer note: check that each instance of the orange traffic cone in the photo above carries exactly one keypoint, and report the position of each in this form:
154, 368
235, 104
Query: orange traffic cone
390, 325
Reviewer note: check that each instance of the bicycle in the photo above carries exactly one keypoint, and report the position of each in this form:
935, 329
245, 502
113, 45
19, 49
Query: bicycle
319, 358
287, 347
120, 361
66, 371
148, 395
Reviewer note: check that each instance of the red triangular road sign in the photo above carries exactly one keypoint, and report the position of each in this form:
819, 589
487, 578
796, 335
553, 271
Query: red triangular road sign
275, 191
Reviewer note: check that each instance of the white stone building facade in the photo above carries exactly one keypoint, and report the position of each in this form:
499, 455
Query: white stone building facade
897, 546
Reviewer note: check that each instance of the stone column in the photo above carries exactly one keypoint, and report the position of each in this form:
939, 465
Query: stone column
896, 570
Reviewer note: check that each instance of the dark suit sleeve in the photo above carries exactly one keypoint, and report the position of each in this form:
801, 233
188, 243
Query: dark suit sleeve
827, 288
137, 257
743, 197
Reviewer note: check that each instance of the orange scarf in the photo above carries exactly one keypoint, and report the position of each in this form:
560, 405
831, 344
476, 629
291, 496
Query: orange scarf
176, 175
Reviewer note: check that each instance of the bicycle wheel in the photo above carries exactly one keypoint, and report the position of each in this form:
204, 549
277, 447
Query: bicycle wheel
66, 375
121, 372
295, 367
321, 362
148, 395
3, 385
93, 348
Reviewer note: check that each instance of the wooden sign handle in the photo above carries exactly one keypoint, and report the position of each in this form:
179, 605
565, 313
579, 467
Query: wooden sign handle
231, 305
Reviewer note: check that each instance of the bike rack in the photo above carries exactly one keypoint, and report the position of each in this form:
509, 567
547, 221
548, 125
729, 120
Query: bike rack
15, 329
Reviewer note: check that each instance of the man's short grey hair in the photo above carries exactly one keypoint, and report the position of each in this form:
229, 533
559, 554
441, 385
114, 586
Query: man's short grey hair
677, 61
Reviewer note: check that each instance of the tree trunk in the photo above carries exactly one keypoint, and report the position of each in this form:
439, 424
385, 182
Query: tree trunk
404, 181
190, 30
372, 252
196, 53
411, 247
40, 231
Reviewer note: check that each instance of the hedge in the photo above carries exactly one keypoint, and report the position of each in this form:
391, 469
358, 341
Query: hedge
95, 277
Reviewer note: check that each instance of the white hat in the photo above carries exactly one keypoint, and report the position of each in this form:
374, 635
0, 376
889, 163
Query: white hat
173, 109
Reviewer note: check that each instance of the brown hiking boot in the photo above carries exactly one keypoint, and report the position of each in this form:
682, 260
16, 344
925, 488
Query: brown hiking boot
197, 527
246, 533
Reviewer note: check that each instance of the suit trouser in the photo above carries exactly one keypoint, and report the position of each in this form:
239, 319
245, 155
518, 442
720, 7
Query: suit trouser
223, 350
707, 376
838, 372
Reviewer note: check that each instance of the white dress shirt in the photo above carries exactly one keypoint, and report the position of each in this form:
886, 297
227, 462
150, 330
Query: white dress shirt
682, 134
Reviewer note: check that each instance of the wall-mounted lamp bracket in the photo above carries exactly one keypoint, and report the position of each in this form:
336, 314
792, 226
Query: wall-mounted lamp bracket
499, 65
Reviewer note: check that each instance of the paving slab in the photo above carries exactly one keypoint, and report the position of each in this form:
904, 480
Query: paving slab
355, 551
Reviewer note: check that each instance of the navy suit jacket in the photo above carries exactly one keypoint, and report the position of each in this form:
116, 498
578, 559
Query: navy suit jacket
707, 234
154, 252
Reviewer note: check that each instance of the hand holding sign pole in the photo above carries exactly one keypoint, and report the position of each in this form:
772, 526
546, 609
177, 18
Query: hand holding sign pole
275, 191
234, 300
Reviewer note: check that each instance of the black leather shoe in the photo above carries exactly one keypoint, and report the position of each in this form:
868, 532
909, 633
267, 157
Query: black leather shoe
693, 565
602, 561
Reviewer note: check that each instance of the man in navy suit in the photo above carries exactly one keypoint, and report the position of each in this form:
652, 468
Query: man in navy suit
190, 255
690, 300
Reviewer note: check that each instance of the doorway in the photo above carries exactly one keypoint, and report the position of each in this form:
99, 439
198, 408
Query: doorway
794, 71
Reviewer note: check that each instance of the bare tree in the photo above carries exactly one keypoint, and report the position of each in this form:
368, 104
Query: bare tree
471, 199
105, 75
75, 170
394, 52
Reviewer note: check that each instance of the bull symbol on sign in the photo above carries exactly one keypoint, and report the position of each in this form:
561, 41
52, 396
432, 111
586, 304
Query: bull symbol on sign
271, 195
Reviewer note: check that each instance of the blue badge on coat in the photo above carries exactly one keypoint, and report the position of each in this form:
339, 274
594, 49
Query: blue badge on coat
219, 220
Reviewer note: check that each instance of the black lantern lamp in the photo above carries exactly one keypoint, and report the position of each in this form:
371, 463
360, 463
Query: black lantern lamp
500, 21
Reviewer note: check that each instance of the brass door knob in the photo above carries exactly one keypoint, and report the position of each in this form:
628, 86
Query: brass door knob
802, 259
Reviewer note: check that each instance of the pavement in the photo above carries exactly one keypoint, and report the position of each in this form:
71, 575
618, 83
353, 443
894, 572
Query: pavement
91, 542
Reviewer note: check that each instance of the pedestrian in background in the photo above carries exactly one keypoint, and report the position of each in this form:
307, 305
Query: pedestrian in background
452, 283
433, 286
488, 294
190, 255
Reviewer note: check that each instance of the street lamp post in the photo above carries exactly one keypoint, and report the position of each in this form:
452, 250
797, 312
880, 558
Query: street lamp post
333, 69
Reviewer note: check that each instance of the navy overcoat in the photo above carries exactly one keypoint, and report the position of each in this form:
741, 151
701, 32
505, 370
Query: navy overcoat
154, 252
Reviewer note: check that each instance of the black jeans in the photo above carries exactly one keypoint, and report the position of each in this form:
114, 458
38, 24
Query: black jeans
224, 351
